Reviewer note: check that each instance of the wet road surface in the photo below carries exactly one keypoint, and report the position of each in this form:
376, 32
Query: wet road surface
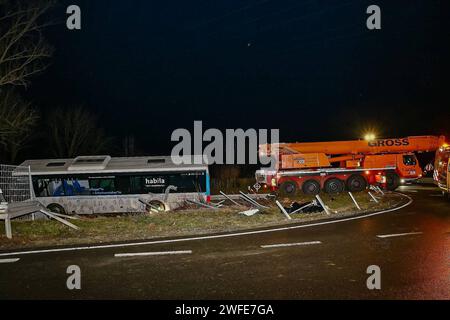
411, 246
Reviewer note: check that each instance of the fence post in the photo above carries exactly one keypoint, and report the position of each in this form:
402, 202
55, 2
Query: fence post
354, 200
8, 228
227, 197
2, 198
323, 204
373, 197
282, 210
32, 196
381, 191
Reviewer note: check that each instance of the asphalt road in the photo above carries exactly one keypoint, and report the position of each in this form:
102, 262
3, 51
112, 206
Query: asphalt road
329, 262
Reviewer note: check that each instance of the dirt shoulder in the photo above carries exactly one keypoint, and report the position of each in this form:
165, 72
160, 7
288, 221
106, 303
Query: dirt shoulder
119, 228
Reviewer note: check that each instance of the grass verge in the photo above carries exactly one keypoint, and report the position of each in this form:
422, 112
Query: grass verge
42, 233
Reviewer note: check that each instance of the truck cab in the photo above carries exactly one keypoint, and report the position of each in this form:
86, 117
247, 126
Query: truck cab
409, 167
406, 165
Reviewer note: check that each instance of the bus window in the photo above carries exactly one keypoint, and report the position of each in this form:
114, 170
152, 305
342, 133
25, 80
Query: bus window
122, 183
76, 187
48, 188
128, 184
136, 185
102, 185
189, 182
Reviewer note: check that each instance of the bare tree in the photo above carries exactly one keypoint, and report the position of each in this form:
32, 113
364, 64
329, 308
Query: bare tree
17, 121
74, 132
23, 50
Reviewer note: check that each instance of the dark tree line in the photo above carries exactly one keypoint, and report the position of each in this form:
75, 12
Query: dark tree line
62, 133
24, 52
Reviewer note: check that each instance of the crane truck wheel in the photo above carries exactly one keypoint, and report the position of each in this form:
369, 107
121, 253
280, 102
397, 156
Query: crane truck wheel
392, 181
334, 186
288, 188
356, 183
311, 187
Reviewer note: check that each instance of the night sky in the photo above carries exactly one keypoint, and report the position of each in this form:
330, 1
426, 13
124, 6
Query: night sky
309, 68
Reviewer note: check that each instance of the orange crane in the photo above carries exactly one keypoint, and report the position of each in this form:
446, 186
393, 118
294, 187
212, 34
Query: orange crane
335, 165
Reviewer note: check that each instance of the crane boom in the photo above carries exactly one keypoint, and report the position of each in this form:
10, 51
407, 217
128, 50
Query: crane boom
379, 146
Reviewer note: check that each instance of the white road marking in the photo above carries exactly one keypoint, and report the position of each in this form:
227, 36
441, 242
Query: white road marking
220, 236
9, 260
404, 188
143, 254
398, 235
290, 244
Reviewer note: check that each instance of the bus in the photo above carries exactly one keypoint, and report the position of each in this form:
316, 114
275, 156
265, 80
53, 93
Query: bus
105, 184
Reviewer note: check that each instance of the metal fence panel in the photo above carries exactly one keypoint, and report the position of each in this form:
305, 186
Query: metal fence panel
15, 183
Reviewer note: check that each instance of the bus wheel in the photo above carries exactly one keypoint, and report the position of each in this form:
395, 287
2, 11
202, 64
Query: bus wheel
288, 188
311, 187
334, 186
392, 181
155, 206
56, 208
356, 183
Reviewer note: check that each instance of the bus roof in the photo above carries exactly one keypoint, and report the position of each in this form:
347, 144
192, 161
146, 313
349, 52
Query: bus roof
106, 164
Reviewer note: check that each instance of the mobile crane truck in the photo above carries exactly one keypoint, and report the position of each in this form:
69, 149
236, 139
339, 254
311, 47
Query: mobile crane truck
339, 165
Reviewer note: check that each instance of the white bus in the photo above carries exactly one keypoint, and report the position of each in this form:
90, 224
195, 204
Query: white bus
102, 184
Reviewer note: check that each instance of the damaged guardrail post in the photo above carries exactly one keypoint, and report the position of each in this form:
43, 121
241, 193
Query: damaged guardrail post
381, 191
377, 189
229, 198
251, 201
201, 204
324, 206
373, 197
8, 229
313, 203
67, 223
354, 200
283, 210
218, 204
